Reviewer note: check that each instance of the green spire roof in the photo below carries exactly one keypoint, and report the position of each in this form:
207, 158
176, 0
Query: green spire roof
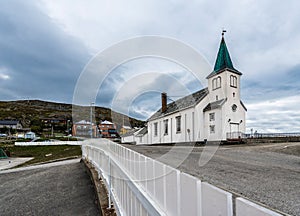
223, 59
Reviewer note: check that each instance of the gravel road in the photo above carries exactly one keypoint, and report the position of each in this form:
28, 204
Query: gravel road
265, 173
58, 190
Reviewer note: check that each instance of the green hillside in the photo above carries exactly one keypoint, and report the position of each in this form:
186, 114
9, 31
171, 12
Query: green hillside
31, 113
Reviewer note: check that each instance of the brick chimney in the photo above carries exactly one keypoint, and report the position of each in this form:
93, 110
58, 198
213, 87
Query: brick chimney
163, 102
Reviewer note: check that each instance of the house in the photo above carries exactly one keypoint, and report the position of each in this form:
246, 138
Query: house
29, 135
134, 136
141, 137
215, 113
85, 128
124, 129
108, 129
13, 124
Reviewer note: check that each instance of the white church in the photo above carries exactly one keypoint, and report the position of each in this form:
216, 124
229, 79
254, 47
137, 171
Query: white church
215, 113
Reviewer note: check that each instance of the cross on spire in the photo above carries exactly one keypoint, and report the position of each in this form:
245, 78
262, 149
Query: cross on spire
223, 32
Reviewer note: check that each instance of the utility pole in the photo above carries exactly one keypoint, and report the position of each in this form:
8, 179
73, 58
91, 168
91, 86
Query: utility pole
91, 119
68, 128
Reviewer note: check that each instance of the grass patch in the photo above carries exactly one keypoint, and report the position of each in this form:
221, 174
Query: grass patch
43, 153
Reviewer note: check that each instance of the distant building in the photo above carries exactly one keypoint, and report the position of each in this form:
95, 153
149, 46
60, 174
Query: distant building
54, 121
29, 135
124, 129
13, 124
130, 136
84, 128
108, 129
141, 137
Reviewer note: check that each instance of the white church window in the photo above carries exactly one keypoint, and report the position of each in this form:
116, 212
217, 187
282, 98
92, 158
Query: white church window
166, 127
212, 129
211, 116
216, 83
178, 124
155, 129
233, 81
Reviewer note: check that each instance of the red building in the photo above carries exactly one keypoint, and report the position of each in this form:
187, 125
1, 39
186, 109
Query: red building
108, 129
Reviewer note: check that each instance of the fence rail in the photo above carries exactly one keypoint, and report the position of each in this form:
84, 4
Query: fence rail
139, 185
272, 135
48, 143
239, 135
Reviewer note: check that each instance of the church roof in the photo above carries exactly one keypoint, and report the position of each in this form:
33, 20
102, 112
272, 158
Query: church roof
214, 105
223, 61
182, 103
107, 122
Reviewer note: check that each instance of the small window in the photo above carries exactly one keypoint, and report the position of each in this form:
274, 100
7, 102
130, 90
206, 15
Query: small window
234, 107
217, 98
211, 116
178, 124
233, 94
216, 83
155, 129
166, 127
212, 129
233, 81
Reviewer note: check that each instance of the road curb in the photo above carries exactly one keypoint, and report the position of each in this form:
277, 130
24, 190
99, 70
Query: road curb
100, 189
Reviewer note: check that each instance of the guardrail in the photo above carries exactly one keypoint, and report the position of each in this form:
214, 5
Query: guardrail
139, 185
48, 143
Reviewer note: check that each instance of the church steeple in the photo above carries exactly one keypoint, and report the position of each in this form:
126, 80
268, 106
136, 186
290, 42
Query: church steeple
223, 60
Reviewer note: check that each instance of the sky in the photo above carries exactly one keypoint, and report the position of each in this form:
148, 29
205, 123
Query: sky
45, 45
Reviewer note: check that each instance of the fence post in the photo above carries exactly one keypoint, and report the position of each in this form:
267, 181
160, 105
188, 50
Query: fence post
109, 183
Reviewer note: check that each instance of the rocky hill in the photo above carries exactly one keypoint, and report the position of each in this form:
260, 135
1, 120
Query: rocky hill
30, 112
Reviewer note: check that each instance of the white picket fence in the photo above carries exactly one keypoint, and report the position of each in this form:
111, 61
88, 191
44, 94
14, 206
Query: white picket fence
139, 185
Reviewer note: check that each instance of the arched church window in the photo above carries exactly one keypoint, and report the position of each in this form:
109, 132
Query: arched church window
216, 83
233, 81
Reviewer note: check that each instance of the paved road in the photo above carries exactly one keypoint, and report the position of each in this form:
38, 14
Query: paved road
63, 189
256, 172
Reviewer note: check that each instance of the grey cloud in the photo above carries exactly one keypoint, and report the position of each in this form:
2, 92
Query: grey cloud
41, 59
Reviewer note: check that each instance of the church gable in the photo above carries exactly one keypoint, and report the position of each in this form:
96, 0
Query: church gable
214, 105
